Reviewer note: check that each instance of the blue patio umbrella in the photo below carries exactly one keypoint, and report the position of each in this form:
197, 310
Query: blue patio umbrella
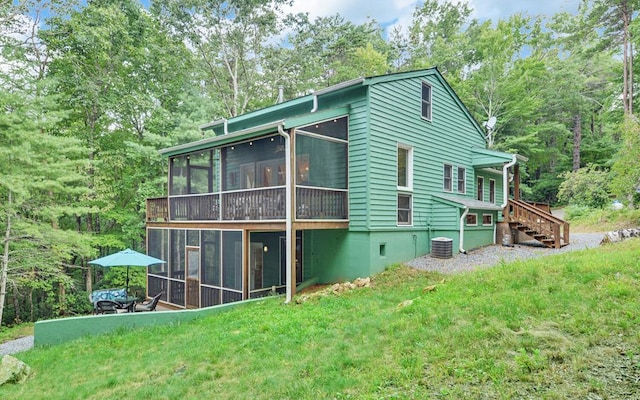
127, 258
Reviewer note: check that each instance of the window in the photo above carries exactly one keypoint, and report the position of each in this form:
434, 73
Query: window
461, 180
487, 219
426, 101
472, 219
492, 191
480, 188
448, 171
404, 209
405, 167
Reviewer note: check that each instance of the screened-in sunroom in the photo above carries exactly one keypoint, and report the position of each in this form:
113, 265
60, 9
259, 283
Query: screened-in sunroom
234, 204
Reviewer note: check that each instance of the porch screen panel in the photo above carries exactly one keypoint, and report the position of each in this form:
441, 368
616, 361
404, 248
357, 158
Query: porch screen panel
158, 247
210, 253
156, 285
244, 165
201, 178
176, 261
178, 176
176, 292
321, 163
232, 260
335, 128
209, 296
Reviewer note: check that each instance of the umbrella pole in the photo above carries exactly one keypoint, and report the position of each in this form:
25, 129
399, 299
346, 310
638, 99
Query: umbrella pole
127, 280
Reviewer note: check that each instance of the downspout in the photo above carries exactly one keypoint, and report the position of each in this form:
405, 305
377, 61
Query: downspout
315, 103
505, 181
289, 223
333, 88
462, 221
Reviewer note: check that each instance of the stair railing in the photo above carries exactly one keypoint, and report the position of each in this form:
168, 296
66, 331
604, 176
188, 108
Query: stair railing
538, 220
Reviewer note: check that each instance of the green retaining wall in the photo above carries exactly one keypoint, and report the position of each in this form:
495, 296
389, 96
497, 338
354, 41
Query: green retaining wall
56, 331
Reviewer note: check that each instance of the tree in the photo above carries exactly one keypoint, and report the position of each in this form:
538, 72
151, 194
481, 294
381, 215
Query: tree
437, 37
230, 39
126, 83
615, 18
41, 171
585, 187
331, 50
625, 171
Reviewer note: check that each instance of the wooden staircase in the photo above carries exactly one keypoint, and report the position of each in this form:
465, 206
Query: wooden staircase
549, 230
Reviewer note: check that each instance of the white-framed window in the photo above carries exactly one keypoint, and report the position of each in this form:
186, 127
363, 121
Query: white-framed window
462, 185
426, 101
472, 219
405, 167
492, 191
448, 178
487, 219
405, 214
480, 188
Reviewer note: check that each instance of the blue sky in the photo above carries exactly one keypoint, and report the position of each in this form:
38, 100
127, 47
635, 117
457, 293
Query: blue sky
393, 12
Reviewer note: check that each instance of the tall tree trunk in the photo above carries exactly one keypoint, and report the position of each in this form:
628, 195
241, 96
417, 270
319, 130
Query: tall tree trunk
577, 137
5, 259
626, 14
630, 75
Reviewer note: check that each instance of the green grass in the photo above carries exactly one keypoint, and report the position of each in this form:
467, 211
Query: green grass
559, 327
584, 219
15, 332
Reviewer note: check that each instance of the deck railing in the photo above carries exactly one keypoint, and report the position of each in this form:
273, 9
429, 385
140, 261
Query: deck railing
539, 221
254, 204
315, 203
157, 209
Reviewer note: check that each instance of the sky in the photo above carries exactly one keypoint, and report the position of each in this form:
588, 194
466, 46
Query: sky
389, 13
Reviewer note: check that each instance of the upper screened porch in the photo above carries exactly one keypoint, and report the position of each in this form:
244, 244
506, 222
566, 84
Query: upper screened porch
246, 179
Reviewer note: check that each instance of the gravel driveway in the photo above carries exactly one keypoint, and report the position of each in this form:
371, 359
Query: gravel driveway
489, 256
16, 346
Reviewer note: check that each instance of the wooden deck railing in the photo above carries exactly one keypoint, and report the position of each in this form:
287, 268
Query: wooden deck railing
539, 221
205, 207
258, 204
254, 205
157, 209
313, 203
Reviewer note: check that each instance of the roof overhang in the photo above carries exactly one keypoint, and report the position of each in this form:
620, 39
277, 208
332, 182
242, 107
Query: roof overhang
485, 158
466, 202
222, 140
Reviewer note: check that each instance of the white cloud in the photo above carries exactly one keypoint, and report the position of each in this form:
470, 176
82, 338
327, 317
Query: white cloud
400, 12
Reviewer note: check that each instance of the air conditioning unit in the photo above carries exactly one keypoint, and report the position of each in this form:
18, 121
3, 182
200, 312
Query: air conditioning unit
441, 247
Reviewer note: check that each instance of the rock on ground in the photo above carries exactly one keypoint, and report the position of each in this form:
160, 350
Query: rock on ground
13, 370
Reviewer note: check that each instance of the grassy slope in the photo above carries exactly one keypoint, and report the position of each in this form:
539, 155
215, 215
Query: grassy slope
559, 327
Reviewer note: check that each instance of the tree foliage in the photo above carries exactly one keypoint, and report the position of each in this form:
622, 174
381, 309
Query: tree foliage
585, 187
89, 93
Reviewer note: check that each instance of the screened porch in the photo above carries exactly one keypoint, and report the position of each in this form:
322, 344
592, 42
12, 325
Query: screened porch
247, 180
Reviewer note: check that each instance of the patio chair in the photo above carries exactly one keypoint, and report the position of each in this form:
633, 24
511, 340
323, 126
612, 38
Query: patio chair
107, 307
149, 305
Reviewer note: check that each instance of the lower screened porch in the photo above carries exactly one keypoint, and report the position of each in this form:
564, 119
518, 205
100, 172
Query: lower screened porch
208, 267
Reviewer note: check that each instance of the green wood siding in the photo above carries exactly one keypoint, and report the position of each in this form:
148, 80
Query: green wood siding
487, 175
359, 161
448, 138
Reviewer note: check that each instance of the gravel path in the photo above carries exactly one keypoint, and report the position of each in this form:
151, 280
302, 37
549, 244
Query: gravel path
16, 346
489, 256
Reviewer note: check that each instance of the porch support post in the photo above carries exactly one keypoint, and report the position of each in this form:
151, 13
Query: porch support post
245, 263
290, 246
516, 182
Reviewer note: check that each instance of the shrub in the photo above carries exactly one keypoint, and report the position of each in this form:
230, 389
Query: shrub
585, 187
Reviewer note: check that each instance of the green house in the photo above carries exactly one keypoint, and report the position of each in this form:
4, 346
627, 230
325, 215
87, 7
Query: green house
323, 188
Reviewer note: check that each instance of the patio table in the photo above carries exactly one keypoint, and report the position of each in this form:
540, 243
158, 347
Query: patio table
127, 303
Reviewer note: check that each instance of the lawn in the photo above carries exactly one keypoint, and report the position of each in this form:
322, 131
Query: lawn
559, 327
